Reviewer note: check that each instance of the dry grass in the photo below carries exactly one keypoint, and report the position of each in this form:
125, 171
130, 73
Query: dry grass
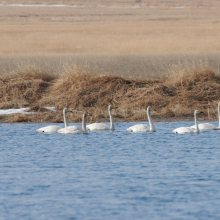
102, 30
183, 89
192, 87
132, 66
23, 87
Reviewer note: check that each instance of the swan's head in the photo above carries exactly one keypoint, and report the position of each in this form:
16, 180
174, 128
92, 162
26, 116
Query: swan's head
149, 108
85, 114
110, 107
67, 110
198, 112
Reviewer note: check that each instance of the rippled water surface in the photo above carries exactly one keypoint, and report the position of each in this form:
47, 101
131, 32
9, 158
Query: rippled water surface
109, 175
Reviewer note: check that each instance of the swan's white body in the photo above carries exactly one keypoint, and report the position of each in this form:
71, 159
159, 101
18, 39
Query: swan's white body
70, 130
102, 126
75, 129
55, 128
186, 130
208, 126
49, 129
139, 128
143, 127
98, 127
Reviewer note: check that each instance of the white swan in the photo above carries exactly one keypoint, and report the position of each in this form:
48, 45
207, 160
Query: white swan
55, 128
208, 126
102, 126
143, 127
185, 130
75, 129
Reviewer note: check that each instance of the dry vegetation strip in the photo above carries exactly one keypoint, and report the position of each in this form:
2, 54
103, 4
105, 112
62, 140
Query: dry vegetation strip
100, 30
177, 95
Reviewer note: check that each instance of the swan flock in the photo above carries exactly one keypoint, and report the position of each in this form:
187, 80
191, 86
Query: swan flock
136, 128
67, 129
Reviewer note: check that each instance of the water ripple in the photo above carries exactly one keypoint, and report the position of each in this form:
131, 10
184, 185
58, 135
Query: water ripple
109, 175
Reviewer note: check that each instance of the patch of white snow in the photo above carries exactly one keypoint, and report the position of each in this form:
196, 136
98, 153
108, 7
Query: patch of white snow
14, 111
22, 111
180, 7
51, 109
39, 5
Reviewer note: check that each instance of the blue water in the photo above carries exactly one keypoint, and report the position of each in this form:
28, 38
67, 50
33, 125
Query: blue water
109, 175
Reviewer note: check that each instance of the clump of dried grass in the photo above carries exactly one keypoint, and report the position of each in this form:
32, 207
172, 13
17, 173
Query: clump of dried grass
79, 88
192, 86
20, 118
24, 86
89, 91
188, 74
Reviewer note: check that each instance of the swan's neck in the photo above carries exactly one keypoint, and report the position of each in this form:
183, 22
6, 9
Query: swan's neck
65, 119
196, 123
219, 113
152, 127
84, 124
112, 127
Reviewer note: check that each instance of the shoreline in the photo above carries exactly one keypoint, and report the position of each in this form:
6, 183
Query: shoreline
4, 118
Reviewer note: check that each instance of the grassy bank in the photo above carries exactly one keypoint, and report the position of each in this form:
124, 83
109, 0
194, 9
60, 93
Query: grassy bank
182, 88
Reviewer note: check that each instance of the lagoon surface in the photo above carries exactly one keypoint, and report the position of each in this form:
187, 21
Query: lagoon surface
109, 175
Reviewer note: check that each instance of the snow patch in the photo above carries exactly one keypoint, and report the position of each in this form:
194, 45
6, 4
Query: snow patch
14, 111
51, 6
51, 109
180, 7
22, 111
78, 6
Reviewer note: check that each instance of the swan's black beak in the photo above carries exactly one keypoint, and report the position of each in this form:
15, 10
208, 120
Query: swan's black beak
89, 114
115, 107
154, 109
201, 112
